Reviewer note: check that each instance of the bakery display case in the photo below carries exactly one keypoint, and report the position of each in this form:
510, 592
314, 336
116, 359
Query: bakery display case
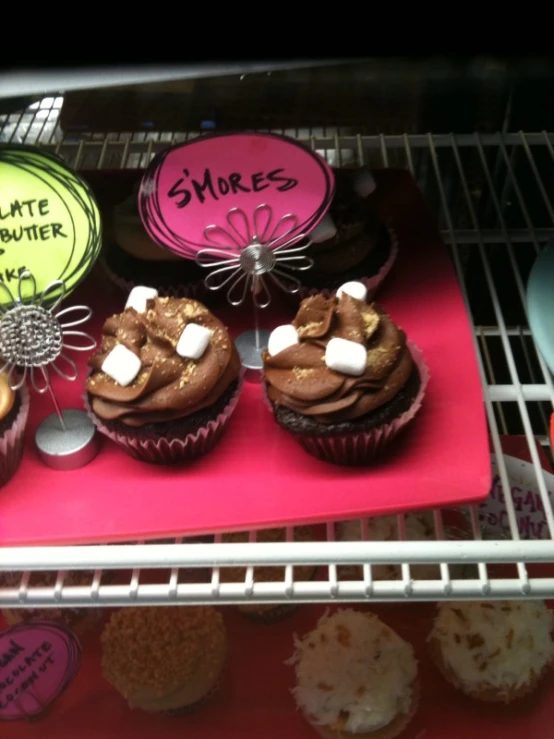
469, 519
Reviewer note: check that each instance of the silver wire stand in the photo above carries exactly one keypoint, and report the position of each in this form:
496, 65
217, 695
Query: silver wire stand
250, 345
247, 255
34, 336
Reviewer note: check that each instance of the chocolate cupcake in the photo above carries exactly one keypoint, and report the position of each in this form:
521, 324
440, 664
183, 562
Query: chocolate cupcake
166, 379
350, 243
132, 258
343, 379
165, 660
14, 410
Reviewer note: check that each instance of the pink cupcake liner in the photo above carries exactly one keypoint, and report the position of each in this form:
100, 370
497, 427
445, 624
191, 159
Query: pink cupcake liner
372, 283
361, 447
12, 442
170, 451
194, 290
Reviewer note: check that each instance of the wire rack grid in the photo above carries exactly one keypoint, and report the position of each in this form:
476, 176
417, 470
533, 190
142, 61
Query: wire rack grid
491, 196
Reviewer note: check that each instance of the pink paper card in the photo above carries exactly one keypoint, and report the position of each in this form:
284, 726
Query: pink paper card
276, 184
38, 660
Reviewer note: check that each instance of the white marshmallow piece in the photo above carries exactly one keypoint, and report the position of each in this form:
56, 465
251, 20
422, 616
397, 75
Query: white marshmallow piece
347, 357
355, 289
194, 341
138, 297
364, 184
122, 365
281, 338
324, 230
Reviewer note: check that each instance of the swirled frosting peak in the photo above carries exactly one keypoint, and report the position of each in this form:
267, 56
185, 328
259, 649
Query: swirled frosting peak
299, 378
168, 386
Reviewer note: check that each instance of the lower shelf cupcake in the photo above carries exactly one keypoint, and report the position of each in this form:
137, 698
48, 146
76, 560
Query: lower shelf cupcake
355, 677
495, 652
165, 660
419, 526
79, 620
267, 612
343, 379
166, 378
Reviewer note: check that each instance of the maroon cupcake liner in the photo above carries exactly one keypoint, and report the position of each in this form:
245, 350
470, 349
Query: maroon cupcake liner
200, 703
362, 447
195, 290
279, 612
165, 450
12, 442
372, 283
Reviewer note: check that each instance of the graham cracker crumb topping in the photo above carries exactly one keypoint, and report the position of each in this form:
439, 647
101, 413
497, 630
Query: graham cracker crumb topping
158, 647
307, 328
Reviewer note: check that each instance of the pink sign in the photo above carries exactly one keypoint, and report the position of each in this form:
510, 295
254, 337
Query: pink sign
193, 187
38, 660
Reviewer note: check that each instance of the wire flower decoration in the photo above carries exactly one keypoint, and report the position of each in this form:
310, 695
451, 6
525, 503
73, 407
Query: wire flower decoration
245, 257
33, 338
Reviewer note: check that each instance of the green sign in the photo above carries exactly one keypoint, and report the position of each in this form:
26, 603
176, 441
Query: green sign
49, 222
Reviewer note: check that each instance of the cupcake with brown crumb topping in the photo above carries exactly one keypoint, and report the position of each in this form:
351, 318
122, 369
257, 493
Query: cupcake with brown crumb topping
268, 612
167, 659
495, 652
165, 380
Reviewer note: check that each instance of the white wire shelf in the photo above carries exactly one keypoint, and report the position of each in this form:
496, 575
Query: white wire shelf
490, 195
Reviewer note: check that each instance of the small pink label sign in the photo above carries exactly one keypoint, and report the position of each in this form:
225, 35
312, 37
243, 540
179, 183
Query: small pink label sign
38, 660
194, 185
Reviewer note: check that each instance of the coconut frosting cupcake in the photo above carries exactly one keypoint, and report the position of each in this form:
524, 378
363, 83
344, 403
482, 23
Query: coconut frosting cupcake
164, 660
342, 377
493, 651
165, 379
355, 676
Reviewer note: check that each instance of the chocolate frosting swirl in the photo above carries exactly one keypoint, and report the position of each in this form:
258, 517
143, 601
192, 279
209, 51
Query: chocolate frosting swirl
299, 379
168, 387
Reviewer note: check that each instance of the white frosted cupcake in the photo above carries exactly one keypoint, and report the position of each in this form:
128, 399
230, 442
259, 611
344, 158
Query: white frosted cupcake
493, 651
355, 676
419, 527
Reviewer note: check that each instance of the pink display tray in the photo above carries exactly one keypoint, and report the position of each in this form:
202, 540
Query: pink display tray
254, 701
258, 476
